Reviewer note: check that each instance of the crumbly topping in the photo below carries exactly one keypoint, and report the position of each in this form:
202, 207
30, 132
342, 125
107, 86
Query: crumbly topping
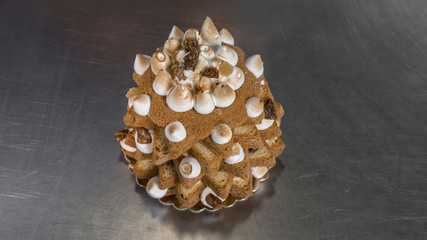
191, 45
178, 71
270, 111
144, 136
211, 72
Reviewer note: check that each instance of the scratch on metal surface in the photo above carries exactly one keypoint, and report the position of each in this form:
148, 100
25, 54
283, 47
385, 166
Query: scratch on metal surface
309, 175
10, 195
17, 195
29, 174
304, 217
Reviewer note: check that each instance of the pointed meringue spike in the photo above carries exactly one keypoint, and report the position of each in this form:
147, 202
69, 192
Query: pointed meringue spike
171, 46
162, 84
255, 65
192, 33
209, 33
180, 99
226, 36
160, 61
176, 33
141, 64
204, 103
131, 94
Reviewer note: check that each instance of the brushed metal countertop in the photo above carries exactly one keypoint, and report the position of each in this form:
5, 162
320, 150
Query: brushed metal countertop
351, 76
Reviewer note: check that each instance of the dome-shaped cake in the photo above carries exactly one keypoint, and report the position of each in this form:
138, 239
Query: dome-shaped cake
202, 125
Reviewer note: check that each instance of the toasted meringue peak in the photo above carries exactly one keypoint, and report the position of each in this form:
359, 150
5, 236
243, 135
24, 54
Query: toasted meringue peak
179, 56
224, 95
209, 33
131, 94
206, 191
259, 172
160, 61
236, 78
207, 52
141, 64
176, 33
180, 99
192, 33
189, 167
238, 154
175, 131
204, 84
254, 107
171, 46
204, 103
227, 54
226, 36
221, 133
202, 63
255, 65
266, 123
153, 188
162, 84
142, 104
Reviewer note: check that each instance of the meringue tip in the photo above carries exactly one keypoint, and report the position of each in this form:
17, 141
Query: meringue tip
209, 33
254, 107
204, 103
226, 36
255, 65
176, 33
175, 131
142, 104
224, 95
208, 23
221, 133
180, 99
141, 64
160, 61
162, 83
190, 167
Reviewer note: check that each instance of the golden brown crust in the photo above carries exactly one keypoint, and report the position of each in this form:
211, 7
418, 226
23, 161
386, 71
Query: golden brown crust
168, 176
220, 183
145, 169
208, 159
271, 132
241, 188
188, 197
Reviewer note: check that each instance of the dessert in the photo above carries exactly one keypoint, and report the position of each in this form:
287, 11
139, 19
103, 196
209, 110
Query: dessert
202, 126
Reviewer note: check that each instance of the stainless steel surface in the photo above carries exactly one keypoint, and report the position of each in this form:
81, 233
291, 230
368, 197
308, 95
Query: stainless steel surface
351, 76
